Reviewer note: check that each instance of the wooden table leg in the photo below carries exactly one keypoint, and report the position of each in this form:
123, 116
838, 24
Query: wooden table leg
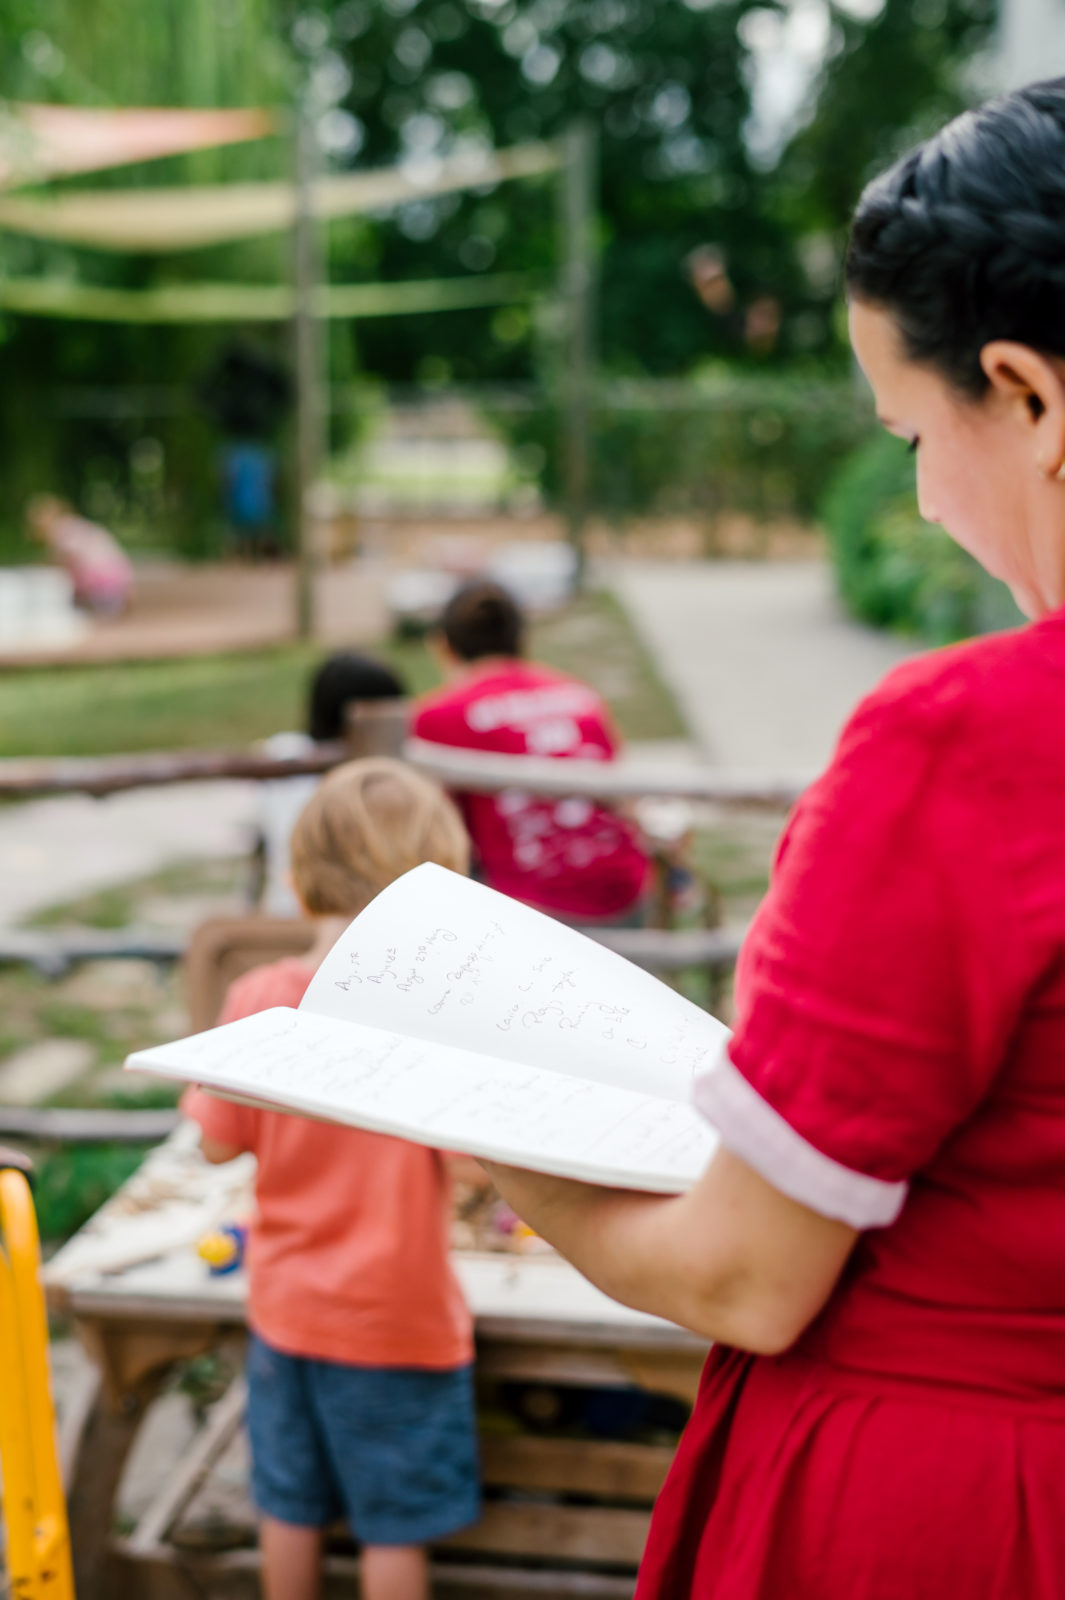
106, 1441
135, 1364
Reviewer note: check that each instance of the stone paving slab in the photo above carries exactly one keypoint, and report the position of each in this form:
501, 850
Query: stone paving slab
42, 1069
58, 849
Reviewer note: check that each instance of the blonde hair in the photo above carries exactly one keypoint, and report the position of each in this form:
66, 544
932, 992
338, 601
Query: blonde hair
366, 824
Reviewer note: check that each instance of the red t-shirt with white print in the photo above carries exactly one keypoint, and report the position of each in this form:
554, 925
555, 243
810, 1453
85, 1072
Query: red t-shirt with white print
568, 856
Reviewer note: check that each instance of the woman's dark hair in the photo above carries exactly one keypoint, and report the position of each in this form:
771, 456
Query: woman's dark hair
963, 239
340, 680
482, 619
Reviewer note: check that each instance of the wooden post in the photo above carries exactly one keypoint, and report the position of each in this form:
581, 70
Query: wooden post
377, 727
305, 335
578, 295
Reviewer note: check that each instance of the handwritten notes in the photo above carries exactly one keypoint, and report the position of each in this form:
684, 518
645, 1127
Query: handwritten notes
451, 1016
451, 962
445, 1097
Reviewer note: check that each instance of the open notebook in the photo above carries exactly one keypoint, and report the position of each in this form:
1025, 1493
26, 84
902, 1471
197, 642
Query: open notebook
452, 1016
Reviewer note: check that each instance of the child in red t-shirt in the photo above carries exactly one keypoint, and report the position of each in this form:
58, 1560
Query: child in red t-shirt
571, 857
359, 1364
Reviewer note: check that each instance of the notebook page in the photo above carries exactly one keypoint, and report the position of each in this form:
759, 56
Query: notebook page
446, 959
443, 1097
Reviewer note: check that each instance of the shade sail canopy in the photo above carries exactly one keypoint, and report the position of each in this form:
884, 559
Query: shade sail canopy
233, 302
38, 142
184, 218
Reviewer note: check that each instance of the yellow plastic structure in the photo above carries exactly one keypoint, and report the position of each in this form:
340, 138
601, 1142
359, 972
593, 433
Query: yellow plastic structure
34, 1508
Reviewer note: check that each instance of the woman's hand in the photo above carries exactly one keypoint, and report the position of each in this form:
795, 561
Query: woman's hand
217, 1152
734, 1259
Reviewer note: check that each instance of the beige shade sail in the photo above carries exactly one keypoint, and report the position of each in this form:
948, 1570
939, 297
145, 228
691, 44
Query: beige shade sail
233, 302
38, 142
184, 218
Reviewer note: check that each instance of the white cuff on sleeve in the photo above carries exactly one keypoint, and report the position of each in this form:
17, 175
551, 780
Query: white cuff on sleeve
752, 1130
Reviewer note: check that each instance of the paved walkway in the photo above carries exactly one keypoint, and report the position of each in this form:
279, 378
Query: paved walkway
56, 850
761, 658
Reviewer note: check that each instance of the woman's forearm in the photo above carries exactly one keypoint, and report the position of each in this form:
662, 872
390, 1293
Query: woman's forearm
733, 1260
629, 1245
583, 1223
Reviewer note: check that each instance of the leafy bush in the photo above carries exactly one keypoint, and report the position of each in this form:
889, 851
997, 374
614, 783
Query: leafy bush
895, 570
765, 446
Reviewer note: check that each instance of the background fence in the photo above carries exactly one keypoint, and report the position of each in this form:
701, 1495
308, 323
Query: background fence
147, 461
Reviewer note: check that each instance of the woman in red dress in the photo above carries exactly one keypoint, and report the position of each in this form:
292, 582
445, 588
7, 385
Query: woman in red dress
878, 1247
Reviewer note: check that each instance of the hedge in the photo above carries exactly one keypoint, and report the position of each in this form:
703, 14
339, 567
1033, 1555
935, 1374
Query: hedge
896, 570
765, 446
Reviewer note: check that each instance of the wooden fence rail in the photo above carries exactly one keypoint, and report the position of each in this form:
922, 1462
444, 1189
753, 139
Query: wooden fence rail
60, 1125
103, 775
458, 769
600, 780
53, 954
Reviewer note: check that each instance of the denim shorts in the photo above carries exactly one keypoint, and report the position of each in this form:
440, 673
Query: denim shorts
392, 1450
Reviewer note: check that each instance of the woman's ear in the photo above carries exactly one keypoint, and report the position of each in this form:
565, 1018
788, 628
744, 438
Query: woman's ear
1034, 384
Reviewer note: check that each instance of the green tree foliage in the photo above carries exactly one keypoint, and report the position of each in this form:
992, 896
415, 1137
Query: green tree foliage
666, 84
662, 80
663, 83
91, 410
119, 52
887, 82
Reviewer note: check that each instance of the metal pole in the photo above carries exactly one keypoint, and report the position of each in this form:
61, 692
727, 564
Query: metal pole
578, 293
309, 418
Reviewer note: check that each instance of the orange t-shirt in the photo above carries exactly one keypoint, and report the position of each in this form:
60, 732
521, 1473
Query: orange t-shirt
348, 1253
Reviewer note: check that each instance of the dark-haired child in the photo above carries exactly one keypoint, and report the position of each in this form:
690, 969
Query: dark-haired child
571, 857
341, 680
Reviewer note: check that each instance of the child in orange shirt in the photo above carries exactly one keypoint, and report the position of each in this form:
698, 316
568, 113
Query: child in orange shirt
359, 1363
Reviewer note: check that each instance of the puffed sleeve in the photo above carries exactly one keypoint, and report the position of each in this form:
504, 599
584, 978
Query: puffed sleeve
882, 978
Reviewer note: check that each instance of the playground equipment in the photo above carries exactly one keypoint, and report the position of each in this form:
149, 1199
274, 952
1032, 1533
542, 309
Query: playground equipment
37, 1556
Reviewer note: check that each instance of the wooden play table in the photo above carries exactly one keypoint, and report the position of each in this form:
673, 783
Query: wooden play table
565, 1515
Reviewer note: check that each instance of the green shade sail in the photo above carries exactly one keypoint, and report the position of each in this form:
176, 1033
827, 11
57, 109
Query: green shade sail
157, 221
260, 302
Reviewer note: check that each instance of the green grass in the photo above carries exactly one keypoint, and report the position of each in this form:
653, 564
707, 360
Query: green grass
83, 1007
63, 1019
594, 639
157, 705
121, 905
141, 1097
107, 908
236, 699
72, 1182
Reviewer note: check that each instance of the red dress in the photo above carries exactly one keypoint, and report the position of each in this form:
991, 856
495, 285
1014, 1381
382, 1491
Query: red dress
899, 1062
